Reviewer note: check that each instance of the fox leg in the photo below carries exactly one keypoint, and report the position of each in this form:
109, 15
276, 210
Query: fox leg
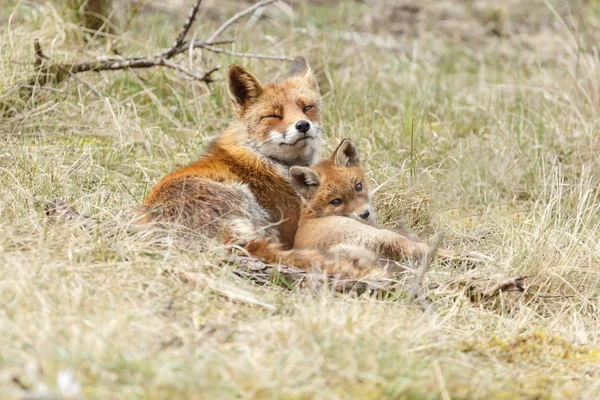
330, 232
362, 256
441, 253
391, 245
396, 246
382, 242
330, 262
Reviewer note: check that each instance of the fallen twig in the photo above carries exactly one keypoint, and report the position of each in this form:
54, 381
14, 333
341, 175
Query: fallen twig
171, 51
111, 64
50, 70
245, 55
234, 294
237, 16
66, 71
510, 284
40, 54
194, 44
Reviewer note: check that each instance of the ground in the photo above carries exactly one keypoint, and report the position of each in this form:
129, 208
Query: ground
485, 113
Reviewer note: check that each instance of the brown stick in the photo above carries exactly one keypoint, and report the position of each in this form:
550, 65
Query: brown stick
246, 55
237, 16
61, 68
171, 51
51, 70
510, 284
235, 295
119, 64
194, 44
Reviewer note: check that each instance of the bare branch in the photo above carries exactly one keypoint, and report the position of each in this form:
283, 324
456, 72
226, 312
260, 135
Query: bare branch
114, 64
510, 284
39, 53
189, 72
171, 51
233, 294
198, 43
237, 16
53, 71
246, 55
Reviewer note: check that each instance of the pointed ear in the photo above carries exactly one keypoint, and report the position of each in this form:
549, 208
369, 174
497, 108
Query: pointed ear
346, 154
301, 68
304, 180
243, 87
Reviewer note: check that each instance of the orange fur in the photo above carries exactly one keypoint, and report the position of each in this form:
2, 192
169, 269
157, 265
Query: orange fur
325, 224
244, 172
347, 265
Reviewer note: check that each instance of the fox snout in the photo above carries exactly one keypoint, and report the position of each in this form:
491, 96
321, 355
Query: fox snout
302, 126
300, 129
365, 215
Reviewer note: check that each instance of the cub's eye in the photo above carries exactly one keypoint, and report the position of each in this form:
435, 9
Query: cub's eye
271, 116
305, 109
358, 187
336, 202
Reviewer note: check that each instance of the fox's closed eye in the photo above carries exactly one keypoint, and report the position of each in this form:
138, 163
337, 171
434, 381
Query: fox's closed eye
305, 109
271, 116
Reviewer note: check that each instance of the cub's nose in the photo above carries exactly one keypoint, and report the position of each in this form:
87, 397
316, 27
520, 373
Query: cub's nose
302, 126
365, 214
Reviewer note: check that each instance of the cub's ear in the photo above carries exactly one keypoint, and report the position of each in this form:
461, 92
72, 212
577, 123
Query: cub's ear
305, 181
346, 154
301, 68
243, 87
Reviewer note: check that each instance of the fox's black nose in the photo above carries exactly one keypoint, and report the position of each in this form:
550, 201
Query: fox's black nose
303, 126
365, 214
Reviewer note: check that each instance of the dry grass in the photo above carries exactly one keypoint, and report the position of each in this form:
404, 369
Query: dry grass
488, 114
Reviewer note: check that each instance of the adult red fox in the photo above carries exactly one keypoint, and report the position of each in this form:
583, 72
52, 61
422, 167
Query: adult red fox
242, 178
337, 214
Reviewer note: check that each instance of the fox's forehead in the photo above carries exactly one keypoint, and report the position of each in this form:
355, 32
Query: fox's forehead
339, 180
289, 92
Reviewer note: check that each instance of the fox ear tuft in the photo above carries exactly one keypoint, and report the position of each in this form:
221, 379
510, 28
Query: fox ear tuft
304, 180
346, 154
301, 68
243, 87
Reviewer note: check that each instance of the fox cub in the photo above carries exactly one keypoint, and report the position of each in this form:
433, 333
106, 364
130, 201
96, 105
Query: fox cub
337, 215
242, 178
